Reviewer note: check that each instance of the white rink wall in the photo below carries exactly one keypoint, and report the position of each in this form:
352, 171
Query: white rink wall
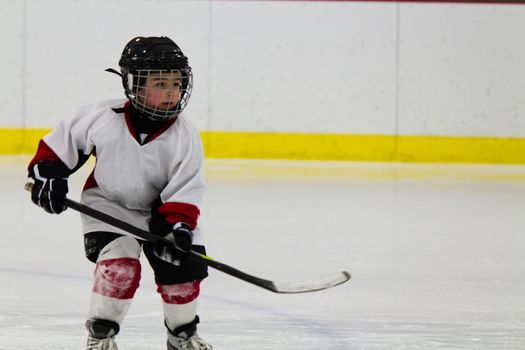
280, 66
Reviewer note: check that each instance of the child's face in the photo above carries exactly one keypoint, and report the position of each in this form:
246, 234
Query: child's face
161, 90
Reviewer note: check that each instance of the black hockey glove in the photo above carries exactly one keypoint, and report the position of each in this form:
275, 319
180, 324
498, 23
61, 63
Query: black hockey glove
181, 238
50, 188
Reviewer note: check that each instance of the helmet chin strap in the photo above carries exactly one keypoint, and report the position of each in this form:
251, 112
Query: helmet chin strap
111, 70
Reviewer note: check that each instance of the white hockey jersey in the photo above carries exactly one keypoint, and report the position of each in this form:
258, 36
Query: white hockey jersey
161, 179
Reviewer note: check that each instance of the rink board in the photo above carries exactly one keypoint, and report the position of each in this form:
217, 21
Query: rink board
307, 146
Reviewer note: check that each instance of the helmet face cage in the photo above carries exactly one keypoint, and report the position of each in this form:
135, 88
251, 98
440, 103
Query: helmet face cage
138, 91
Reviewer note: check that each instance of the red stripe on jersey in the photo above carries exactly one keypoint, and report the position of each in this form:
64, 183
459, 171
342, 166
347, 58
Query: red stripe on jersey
175, 212
44, 152
91, 182
182, 293
161, 130
132, 130
117, 278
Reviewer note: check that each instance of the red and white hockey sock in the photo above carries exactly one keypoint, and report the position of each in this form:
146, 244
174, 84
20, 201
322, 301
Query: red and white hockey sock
179, 302
117, 276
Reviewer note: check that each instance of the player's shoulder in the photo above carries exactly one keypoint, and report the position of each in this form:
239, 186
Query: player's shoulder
186, 125
103, 107
96, 116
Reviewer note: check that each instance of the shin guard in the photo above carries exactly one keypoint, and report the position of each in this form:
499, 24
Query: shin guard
117, 276
179, 302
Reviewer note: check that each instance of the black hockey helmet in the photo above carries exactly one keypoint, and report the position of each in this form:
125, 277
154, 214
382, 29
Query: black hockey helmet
143, 56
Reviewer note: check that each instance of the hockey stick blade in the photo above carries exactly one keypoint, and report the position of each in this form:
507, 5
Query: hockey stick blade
276, 287
313, 284
305, 286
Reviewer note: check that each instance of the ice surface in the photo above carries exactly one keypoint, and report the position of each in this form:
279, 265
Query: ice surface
436, 252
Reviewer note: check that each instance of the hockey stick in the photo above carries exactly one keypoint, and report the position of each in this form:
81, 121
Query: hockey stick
276, 287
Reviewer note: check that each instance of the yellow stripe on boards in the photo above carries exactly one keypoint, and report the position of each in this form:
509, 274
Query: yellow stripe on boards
461, 149
404, 148
298, 146
20, 141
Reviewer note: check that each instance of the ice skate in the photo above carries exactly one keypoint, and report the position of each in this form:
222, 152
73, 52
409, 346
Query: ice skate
186, 338
101, 335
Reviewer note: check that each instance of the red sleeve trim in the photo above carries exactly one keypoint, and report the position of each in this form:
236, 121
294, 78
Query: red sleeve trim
44, 152
90, 181
180, 212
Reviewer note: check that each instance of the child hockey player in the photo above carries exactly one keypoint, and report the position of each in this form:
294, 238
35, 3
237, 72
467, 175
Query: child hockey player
148, 172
